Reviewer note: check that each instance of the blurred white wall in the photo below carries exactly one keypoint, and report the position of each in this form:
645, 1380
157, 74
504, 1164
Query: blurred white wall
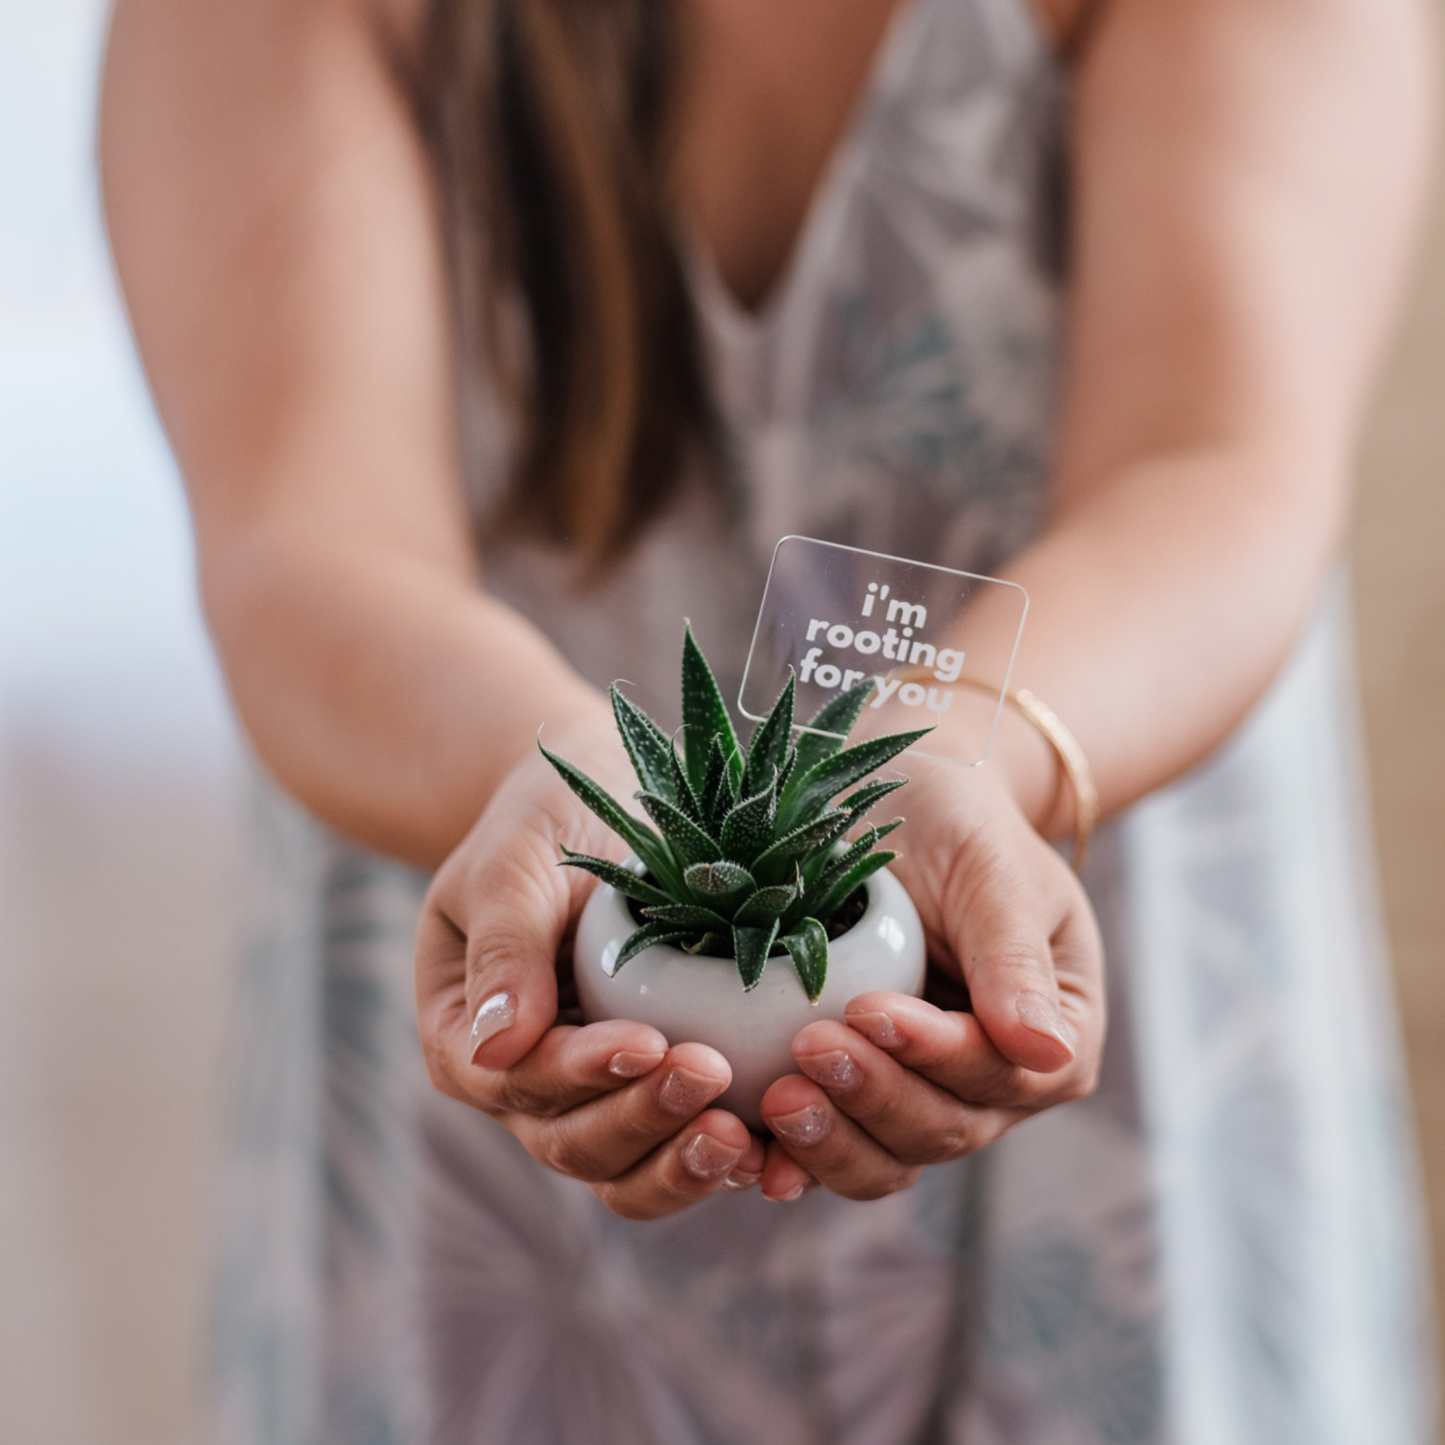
118, 772
118, 834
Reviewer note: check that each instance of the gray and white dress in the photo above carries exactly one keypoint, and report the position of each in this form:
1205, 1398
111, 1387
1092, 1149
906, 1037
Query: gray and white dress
1220, 1247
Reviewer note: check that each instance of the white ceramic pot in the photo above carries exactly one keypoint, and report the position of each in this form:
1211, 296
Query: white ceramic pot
701, 1000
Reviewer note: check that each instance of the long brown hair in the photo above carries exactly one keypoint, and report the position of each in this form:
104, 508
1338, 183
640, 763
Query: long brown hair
550, 123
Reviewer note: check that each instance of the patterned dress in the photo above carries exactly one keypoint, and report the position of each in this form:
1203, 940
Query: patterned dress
1219, 1247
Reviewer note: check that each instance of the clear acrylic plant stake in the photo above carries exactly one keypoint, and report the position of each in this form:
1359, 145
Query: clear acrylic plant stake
939, 643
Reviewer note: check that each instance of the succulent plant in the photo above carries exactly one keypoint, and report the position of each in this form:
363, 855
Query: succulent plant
749, 857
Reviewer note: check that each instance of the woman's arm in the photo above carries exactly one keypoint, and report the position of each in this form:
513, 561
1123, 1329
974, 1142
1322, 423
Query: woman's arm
1247, 177
274, 227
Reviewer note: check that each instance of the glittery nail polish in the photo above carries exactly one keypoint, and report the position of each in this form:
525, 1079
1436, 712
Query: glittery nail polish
1041, 1016
684, 1092
804, 1128
496, 1014
632, 1065
834, 1070
878, 1029
705, 1157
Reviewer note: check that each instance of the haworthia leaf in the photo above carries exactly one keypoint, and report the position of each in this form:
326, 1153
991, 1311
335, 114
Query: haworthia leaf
704, 714
790, 761
833, 721
767, 904
871, 793
807, 945
834, 868
648, 935
693, 843
775, 864
751, 947
839, 894
647, 745
683, 794
715, 797
643, 841
828, 778
687, 915
721, 880
624, 880
770, 740
748, 827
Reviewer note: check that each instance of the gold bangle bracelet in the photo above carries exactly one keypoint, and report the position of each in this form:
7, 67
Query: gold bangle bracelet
1066, 748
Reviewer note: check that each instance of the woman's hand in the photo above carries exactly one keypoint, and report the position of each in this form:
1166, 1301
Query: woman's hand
609, 1103
904, 1082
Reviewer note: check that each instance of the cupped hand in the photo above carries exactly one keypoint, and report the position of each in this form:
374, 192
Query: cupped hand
609, 1103
904, 1082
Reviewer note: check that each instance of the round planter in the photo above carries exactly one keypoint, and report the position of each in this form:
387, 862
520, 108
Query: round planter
701, 1000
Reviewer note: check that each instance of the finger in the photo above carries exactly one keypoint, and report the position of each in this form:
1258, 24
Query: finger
486, 956
569, 1066
608, 1135
689, 1167
910, 1116
783, 1179
951, 1050
1003, 949
1078, 952
838, 1153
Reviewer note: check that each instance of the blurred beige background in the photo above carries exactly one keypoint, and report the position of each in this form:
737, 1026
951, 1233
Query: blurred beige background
119, 784
1399, 563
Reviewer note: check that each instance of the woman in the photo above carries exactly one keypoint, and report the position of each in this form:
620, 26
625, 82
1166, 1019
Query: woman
494, 336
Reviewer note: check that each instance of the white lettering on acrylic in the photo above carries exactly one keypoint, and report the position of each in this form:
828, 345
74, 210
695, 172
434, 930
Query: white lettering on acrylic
945, 663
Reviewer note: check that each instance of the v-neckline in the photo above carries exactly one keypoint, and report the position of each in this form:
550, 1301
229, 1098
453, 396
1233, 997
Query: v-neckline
826, 197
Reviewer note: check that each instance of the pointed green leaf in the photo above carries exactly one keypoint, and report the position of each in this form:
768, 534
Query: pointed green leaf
687, 915
642, 840
807, 945
648, 935
647, 745
822, 879
769, 745
812, 792
704, 714
870, 793
841, 891
683, 794
790, 761
693, 844
715, 797
748, 827
811, 840
722, 881
833, 721
624, 880
764, 906
751, 947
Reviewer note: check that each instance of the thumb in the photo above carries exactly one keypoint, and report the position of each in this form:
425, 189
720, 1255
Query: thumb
486, 952
1004, 921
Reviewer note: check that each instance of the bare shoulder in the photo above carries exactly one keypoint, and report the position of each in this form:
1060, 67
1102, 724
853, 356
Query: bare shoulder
270, 211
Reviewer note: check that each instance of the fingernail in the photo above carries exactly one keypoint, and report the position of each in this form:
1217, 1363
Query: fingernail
834, 1070
796, 1192
633, 1066
705, 1157
1042, 1016
495, 1015
737, 1181
877, 1029
805, 1127
684, 1092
